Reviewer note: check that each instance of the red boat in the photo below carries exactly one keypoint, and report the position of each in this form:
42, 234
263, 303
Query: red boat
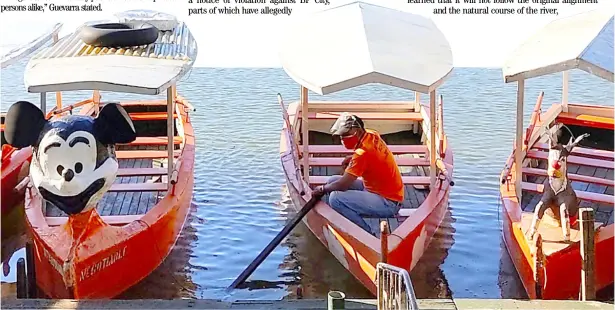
550, 266
102, 251
318, 55
15, 163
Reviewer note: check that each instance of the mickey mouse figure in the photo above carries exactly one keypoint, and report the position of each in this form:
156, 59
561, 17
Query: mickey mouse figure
73, 156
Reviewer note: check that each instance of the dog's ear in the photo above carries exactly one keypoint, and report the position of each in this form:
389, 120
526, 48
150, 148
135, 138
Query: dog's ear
113, 125
24, 123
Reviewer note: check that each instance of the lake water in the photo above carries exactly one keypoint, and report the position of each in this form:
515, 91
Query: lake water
240, 202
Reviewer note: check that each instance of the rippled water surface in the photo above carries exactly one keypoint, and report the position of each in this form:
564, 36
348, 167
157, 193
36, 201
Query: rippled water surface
240, 202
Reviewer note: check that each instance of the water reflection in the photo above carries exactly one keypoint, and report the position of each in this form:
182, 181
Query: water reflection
172, 279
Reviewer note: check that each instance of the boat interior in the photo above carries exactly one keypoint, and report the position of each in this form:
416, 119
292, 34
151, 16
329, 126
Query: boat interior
399, 125
590, 169
142, 177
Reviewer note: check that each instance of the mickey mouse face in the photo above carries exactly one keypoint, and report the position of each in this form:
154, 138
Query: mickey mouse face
68, 165
73, 163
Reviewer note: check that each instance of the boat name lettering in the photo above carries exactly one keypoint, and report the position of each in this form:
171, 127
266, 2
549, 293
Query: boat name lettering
102, 264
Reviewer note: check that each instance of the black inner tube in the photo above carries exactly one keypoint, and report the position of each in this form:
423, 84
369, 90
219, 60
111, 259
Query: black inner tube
119, 34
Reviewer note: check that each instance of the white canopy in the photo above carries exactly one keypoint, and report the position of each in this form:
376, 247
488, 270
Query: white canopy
361, 43
583, 41
73, 65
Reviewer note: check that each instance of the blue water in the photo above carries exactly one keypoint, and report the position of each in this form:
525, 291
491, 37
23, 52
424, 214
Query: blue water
239, 201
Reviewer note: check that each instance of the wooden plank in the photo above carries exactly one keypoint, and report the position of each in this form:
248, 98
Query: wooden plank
361, 106
138, 187
594, 197
322, 179
596, 153
144, 154
149, 116
393, 223
402, 116
406, 212
572, 176
128, 172
110, 219
395, 149
587, 120
337, 161
583, 161
154, 141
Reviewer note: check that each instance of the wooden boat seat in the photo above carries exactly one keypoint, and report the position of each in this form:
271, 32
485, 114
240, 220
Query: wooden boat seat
144, 154
337, 161
399, 116
572, 176
552, 238
405, 212
582, 151
411, 180
139, 187
583, 195
340, 149
132, 172
154, 141
576, 160
585, 119
115, 220
149, 116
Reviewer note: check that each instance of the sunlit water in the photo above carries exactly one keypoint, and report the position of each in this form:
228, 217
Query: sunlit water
240, 202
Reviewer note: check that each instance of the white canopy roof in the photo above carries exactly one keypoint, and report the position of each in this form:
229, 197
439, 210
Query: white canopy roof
361, 43
583, 41
24, 49
73, 65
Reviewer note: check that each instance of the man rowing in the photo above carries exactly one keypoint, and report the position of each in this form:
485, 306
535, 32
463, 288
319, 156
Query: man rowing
380, 193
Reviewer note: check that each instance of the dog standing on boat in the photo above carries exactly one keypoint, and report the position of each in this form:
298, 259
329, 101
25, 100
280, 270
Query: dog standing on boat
558, 191
73, 156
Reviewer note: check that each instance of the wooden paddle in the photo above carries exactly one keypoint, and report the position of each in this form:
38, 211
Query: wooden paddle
281, 235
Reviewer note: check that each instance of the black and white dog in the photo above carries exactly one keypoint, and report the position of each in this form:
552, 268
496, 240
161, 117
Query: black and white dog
558, 193
73, 160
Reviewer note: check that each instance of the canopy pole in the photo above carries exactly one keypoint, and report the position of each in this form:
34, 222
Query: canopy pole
170, 132
519, 138
44, 103
96, 100
432, 137
305, 137
417, 100
56, 38
565, 78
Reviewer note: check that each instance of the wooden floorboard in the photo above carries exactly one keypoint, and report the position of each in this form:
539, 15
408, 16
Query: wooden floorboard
603, 213
125, 203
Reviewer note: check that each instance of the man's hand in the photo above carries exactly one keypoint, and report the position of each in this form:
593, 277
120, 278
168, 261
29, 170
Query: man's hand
319, 191
346, 161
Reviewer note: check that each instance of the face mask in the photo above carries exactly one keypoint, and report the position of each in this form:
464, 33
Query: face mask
350, 142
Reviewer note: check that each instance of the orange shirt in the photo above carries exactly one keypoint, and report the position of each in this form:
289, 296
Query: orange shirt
374, 162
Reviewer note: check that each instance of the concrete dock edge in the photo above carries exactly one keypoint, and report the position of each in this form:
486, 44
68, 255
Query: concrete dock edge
306, 304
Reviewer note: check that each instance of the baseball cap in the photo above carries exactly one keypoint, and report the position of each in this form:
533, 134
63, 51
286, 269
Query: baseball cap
345, 122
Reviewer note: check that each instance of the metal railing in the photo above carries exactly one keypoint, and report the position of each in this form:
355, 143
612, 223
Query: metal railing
395, 289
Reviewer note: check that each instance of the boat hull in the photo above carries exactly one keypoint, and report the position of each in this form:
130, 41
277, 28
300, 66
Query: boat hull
107, 259
357, 250
562, 269
360, 258
14, 170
